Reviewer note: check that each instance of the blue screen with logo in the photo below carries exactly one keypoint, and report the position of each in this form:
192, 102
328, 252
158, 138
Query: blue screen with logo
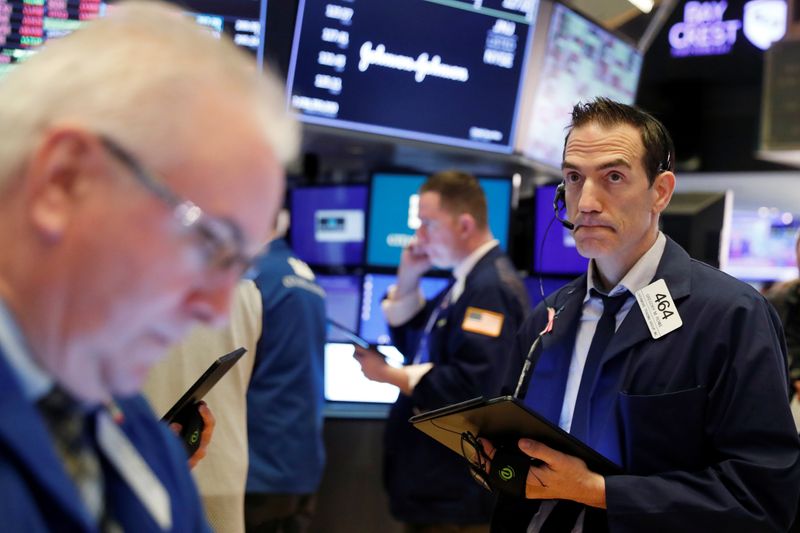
328, 224
394, 210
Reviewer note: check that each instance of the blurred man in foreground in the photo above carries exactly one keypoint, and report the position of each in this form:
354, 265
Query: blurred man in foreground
139, 169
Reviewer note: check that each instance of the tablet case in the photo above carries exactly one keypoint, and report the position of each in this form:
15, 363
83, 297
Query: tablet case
504, 420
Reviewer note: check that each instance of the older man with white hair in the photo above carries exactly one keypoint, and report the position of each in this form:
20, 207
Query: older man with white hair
140, 169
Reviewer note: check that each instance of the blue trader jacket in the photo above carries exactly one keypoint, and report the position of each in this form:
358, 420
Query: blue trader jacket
705, 433
426, 482
37, 495
285, 396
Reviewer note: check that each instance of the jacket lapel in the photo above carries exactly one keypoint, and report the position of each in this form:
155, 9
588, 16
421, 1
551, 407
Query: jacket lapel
675, 269
23, 432
545, 392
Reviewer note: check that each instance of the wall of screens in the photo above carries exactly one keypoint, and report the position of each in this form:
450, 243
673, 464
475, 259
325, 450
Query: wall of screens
432, 70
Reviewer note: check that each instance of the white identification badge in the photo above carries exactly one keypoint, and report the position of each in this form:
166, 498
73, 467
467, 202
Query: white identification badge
658, 309
134, 470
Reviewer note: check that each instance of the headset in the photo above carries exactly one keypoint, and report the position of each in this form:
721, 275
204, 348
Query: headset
560, 204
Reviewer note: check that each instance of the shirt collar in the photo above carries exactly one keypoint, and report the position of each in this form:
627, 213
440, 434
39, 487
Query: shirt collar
34, 381
462, 270
638, 277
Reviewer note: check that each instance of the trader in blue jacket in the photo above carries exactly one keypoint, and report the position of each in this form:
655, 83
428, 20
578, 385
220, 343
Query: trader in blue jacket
456, 347
115, 237
688, 396
285, 395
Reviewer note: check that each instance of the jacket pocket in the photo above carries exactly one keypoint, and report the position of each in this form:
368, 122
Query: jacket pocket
664, 432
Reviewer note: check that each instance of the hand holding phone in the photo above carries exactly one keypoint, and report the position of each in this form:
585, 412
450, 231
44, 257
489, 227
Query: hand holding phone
414, 262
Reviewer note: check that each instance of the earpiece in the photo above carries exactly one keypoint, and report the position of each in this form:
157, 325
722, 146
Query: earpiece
559, 204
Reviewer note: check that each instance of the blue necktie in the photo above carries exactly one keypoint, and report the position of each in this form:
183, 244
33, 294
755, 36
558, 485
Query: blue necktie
423, 349
602, 336
564, 515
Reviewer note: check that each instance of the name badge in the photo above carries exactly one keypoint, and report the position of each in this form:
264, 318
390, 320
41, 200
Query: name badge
658, 309
134, 470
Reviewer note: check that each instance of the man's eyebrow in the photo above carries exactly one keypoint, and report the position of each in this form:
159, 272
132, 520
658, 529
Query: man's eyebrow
619, 162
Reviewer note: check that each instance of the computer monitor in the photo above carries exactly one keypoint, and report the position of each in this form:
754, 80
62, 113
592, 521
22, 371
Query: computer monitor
536, 285
342, 302
328, 224
554, 250
344, 381
761, 246
394, 214
698, 221
435, 71
24, 26
373, 324
581, 62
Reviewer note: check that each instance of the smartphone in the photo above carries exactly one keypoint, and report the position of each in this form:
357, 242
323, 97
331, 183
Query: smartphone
390, 353
184, 411
352, 336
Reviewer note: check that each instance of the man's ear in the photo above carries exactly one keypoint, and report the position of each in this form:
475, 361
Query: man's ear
663, 187
466, 224
55, 180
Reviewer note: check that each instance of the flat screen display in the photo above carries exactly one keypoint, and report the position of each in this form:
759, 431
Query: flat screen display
581, 61
444, 71
345, 382
554, 249
342, 303
536, 285
394, 214
762, 246
373, 324
328, 224
26, 25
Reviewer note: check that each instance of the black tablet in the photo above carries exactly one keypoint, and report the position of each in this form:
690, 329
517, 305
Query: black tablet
505, 420
204, 384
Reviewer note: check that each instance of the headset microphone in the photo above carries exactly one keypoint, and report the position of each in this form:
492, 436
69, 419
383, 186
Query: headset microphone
559, 203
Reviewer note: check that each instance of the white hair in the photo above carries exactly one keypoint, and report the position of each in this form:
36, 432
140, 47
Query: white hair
132, 76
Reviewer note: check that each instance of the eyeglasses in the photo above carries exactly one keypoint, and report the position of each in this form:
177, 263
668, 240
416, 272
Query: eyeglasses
222, 240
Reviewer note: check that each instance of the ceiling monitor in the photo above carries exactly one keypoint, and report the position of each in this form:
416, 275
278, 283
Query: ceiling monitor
394, 214
441, 71
580, 61
25, 26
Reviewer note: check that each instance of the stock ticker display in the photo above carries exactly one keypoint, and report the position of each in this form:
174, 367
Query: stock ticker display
26, 25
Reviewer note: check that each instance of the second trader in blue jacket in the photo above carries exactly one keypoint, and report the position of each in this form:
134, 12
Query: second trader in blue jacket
456, 347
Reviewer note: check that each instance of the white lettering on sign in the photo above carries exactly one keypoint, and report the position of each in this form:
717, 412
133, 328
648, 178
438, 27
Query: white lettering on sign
423, 66
703, 30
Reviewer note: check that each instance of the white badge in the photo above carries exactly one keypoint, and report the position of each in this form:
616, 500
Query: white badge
658, 309
134, 470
